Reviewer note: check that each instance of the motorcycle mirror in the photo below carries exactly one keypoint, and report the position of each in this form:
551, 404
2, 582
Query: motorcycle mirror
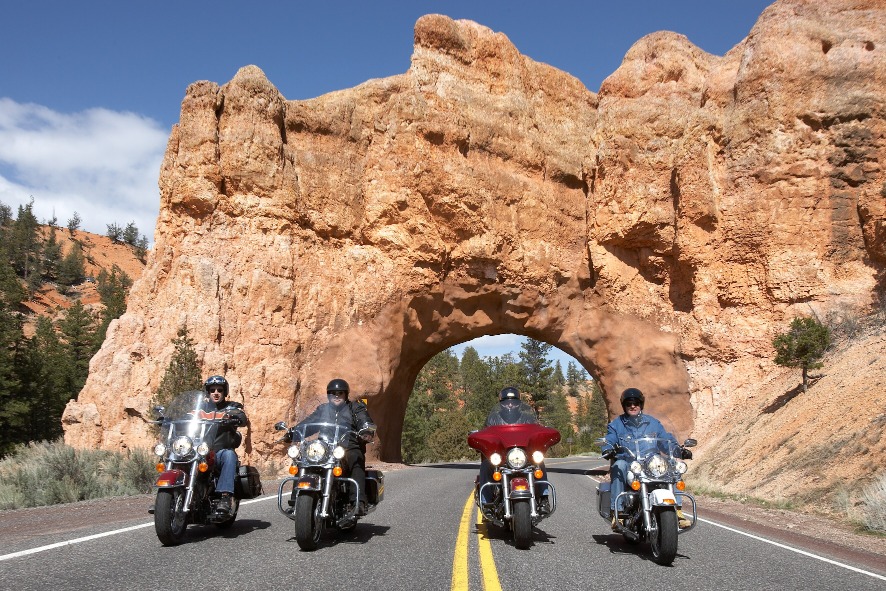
600, 441
280, 425
690, 443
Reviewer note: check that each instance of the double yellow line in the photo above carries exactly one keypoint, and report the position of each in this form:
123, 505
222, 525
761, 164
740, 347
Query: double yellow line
460, 577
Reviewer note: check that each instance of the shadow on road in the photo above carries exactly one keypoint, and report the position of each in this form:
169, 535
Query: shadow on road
618, 544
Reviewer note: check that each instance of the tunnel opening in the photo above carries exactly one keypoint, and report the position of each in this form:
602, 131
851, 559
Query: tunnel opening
456, 389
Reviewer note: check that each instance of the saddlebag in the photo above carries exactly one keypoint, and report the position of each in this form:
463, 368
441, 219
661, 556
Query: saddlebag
375, 486
603, 500
247, 485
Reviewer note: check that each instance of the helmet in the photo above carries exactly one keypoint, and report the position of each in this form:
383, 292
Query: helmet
509, 393
632, 394
216, 381
338, 385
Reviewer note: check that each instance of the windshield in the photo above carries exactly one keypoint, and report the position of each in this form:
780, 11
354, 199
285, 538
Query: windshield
644, 447
327, 425
189, 415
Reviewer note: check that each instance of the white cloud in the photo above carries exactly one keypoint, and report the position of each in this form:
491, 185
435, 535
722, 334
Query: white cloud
102, 164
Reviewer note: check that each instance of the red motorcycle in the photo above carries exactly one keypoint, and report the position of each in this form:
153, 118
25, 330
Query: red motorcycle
516, 454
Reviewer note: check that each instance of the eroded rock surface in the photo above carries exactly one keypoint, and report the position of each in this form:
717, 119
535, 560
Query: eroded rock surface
660, 230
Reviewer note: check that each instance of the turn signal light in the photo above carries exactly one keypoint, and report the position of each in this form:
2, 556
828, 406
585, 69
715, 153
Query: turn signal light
293, 470
203, 466
681, 485
337, 471
538, 474
164, 483
635, 485
304, 484
496, 476
160, 466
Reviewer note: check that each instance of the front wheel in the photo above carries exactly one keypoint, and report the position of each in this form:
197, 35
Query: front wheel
522, 524
664, 539
170, 518
308, 523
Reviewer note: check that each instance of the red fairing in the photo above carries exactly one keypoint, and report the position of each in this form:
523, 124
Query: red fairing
170, 478
501, 438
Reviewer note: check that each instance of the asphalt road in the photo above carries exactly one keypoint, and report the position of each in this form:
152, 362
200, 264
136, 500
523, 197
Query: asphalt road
411, 541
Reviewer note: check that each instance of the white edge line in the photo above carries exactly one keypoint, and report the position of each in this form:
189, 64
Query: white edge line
101, 535
797, 550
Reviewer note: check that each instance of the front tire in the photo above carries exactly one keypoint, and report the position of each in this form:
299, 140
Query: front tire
522, 524
308, 523
170, 518
664, 540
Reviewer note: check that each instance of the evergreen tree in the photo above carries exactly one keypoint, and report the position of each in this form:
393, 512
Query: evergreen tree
434, 404
24, 246
573, 379
114, 231
141, 249
479, 393
130, 234
13, 411
559, 379
112, 289
449, 441
537, 378
802, 345
78, 330
52, 254
47, 383
72, 269
183, 372
74, 223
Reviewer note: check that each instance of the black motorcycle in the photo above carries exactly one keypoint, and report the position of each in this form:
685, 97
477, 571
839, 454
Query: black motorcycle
317, 495
188, 473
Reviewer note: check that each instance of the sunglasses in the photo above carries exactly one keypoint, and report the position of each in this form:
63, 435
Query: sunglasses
217, 389
632, 403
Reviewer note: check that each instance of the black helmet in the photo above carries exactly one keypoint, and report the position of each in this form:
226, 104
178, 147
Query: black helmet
632, 394
509, 393
338, 385
216, 381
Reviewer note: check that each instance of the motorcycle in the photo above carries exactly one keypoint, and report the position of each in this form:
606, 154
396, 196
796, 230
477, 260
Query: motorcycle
319, 497
656, 507
187, 470
516, 453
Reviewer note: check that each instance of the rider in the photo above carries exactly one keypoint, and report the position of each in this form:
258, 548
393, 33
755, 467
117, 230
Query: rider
355, 417
226, 438
630, 425
510, 410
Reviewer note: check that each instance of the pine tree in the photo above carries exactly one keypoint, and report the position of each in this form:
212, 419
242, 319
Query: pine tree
130, 234
112, 289
72, 269
537, 378
78, 330
802, 345
74, 223
479, 393
183, 372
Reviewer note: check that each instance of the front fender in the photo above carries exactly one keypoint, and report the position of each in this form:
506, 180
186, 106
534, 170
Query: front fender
662, 497
171, 479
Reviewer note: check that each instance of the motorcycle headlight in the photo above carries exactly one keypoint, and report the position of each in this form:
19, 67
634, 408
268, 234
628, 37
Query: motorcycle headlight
635, 467
516, 458
538, 457
292, 452
316, 451
680, 467
182, 445
203, 448
338, 453
160, 449
495, 459
656, 466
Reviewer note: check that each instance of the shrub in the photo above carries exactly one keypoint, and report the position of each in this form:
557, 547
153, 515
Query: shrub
49, 473
873, 511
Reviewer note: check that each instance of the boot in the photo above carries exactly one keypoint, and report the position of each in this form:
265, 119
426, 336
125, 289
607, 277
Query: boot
224, 505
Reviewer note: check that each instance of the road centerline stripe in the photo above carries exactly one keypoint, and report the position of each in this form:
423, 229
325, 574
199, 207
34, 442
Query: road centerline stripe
460, 578
487, 562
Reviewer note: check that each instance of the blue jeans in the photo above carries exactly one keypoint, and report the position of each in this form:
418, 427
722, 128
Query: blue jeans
618, 474
227, 470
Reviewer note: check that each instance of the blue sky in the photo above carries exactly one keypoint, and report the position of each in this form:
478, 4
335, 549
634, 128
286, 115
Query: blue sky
90, 90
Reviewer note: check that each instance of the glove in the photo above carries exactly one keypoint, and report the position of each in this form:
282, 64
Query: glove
687, 454
608, 454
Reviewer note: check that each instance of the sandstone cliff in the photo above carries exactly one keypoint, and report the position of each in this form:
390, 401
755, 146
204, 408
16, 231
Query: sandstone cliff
660, 231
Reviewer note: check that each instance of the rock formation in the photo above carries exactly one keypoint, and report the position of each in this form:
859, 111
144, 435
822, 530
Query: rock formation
660, 231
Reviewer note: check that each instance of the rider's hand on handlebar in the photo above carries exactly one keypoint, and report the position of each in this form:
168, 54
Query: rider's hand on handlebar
608, 454
687, 454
